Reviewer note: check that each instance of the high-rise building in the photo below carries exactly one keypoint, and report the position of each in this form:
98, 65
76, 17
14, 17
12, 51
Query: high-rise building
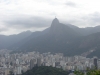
19, 70
17, 61
39, 62
95, 63
7, 71
32, 63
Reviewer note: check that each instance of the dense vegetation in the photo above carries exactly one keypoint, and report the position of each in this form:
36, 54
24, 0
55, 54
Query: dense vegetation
44, 70
88, 72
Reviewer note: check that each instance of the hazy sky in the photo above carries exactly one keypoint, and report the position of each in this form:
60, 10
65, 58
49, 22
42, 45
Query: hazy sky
21, 15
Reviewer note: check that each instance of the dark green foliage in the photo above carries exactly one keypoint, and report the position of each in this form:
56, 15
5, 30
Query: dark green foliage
44, 70
11, 73
88, 72
79, 73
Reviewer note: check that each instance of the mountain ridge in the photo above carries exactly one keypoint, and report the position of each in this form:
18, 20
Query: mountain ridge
67, 39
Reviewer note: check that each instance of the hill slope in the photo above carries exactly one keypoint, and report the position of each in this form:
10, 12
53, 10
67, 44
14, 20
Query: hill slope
85, 31
25, 40
44, 70
6, 41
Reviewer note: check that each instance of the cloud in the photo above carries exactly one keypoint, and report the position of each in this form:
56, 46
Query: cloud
25, 21
21, 15
71, 4
95, 17
92, 19
3, 29
88, 20
18, 23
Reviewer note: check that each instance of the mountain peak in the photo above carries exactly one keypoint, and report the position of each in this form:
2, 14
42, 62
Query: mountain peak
55, 21
55, 24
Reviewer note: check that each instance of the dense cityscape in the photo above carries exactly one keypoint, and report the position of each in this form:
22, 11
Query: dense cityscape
18, 63
49, 37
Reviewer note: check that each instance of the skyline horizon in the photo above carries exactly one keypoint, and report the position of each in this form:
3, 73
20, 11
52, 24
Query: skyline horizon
45, 28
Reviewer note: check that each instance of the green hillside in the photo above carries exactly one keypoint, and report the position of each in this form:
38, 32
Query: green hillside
44, 70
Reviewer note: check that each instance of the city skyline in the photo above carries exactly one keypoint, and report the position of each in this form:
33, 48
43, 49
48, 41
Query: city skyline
18, 63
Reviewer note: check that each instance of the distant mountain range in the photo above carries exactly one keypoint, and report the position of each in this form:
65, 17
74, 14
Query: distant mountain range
6, 41
59, 37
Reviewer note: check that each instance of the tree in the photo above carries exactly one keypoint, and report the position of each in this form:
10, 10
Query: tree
11, 73
88, 72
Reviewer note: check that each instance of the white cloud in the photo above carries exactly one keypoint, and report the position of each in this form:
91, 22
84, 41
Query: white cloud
81, 15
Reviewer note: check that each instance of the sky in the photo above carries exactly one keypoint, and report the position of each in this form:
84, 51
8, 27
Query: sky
21, 15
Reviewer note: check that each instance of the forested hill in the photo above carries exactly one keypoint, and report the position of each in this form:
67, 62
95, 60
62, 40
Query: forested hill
45, 70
